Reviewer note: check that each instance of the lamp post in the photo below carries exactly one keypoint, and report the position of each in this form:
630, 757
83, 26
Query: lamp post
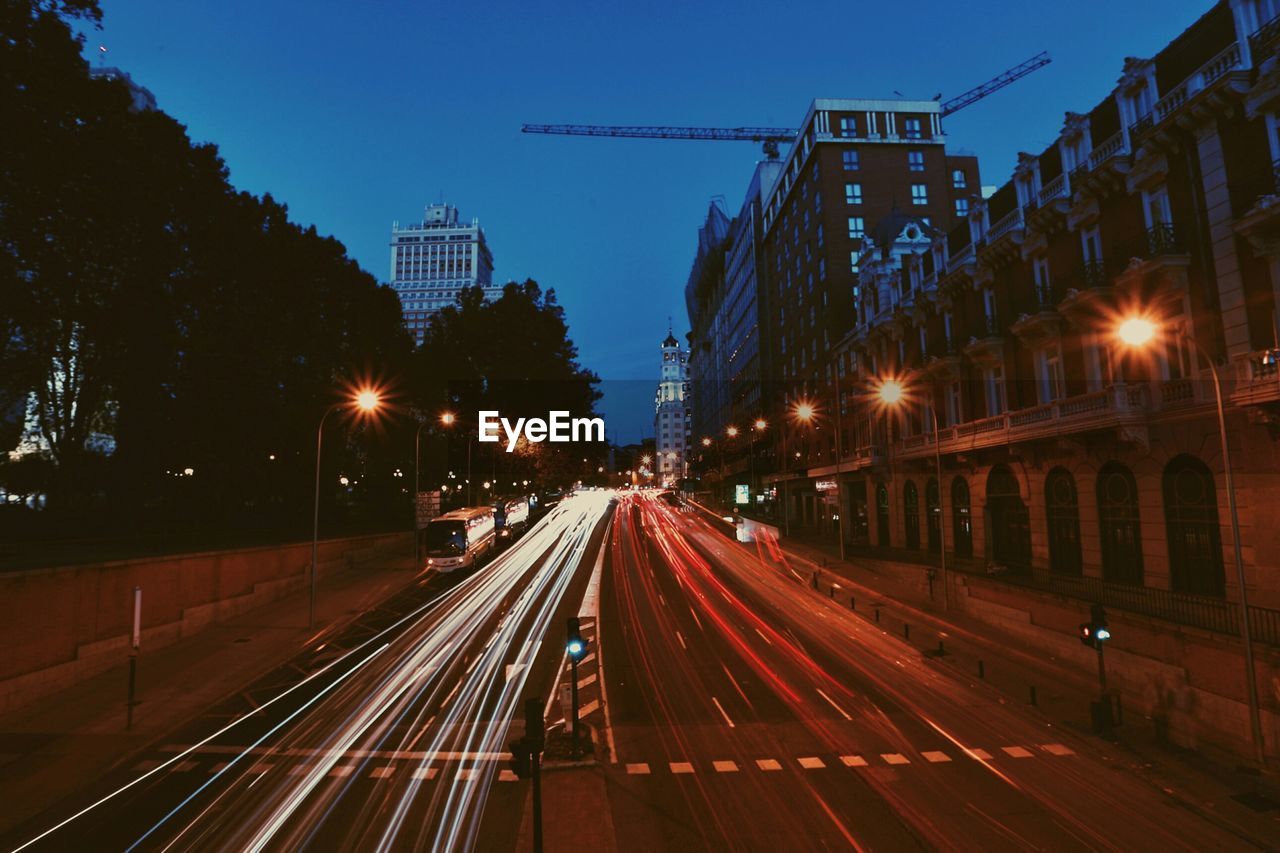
730, 432
365, 401
802, 412
758, 426
1139, 332
891, 393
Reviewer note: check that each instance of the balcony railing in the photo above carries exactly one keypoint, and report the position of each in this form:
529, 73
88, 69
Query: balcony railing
1006, 223
1094, 274
1113, 147
1046, 297
1264, 40
1227, 60
985, 327
1057, 188
1163, 239
959, 258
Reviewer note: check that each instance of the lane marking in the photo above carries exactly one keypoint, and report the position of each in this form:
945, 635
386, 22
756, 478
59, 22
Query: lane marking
895, 758
640, 769
935, 756
1057, 749
853, 761
811, 762
427, 773
681, 767
768, 764
381, 772
763, 637
722, 712
342, 771
663, 599
725, 766
507, 776
680, 637
979, 754
833, 704
1016, 751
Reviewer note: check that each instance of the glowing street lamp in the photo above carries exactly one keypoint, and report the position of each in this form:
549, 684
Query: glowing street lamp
365, 401
1137, 332
892, 393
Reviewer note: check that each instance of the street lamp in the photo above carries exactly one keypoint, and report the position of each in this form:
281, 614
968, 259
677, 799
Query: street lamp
365, 401
893, 394
449, 419
1138, 332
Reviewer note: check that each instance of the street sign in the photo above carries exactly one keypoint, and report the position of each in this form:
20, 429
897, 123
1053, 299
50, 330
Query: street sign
428, 506
741, 494
825, 485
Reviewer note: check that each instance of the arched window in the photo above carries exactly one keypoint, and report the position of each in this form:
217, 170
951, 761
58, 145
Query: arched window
1118, 523
1191, 521
911, 513
935, 514
1062, 505
961, 518
882, 515
1010, 522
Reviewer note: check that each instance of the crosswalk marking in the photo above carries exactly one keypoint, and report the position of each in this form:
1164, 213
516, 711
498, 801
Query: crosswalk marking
427, 773
1057, 749
935, 756
768, 764
853, 761
184, 766
466, 774
681, 767
638, 769
980, 754
588, 708
507, 776
381, 772
587, 682
1016, 751
811, 762
342, 771
299, 770
725, 766
895, 758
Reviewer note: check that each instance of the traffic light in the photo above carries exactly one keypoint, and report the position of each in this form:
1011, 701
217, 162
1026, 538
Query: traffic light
1095, 632
521, 758
575, 645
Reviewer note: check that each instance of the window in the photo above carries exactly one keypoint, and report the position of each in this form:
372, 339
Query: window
819, 236
993, 379
911, 128
915, 161
934, 514
822, 271
1053, 381
848, 126
850, 157
857, 227
919, 194
1191, 521
1062, 505
961, 518
958, 179
962, 207
911, 513
955, 404
853, 193
1119, 525
882, 515
853, 262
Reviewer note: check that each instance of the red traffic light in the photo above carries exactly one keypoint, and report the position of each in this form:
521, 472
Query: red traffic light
1086, 634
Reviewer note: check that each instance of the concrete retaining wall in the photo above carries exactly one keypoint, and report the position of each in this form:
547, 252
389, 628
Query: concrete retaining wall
59, 626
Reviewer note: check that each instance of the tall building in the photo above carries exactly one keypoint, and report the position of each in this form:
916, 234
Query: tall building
704, 301
671, 413
434, 259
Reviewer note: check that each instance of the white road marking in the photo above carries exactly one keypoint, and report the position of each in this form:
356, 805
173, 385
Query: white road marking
587, 682
342, 771
467, 774
507, 776
833, 704
811, 762
980, 754
935, 756
725, 766
681, 767
1057, 749
427, 773
663, 599
680, 637
853, 761
381, 772
768, 764
722, 712
895, 758
1016, 751
640, 769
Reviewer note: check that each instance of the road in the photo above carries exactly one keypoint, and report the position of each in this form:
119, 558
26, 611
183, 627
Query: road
750, 713
390, 737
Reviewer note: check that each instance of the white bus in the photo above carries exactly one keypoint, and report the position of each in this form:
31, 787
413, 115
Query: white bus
457, 539
511, 517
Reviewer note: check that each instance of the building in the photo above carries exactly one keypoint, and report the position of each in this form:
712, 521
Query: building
1072, 462
671, 414
434, 259
141, 98
704, 301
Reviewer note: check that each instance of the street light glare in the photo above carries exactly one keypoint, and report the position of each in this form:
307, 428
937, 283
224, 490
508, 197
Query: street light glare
761, 423
732, 432
367, 400
1136, 331
447, 418
891, 392
804, 411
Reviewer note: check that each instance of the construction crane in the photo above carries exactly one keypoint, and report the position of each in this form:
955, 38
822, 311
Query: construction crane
771, 137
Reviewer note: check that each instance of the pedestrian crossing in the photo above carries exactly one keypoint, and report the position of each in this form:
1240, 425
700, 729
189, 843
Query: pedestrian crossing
884, 759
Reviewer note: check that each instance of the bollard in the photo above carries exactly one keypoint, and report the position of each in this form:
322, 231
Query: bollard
941, 649
877, 615
852, 604
1033, 694
833, 590
906, 631
982, 670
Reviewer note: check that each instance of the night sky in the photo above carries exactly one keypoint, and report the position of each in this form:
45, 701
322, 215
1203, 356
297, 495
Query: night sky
356, 115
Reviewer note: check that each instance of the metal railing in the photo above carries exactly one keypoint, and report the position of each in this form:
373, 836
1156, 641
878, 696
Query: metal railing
1264, 40
1163, 239
1094, 274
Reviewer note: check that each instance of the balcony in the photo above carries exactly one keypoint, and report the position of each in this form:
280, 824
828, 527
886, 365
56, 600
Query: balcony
1051, 206
963, 264
986, 345
1108, 165
1003, 239
1157, 266
1258, 379
1044, 323
1121, 407
1090, 294
1208, 93
1255, 200
946, 366
1265, 41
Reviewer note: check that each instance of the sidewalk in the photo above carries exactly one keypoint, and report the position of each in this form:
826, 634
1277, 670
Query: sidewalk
1213, 784
52, 747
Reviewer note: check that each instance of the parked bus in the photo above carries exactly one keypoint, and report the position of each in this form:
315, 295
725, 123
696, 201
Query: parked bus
457, 539
511, 517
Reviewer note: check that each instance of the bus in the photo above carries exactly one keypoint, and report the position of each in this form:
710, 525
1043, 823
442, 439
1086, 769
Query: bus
511, 517
457, 539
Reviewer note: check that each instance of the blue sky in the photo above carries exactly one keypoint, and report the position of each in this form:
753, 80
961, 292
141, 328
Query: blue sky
357, 114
